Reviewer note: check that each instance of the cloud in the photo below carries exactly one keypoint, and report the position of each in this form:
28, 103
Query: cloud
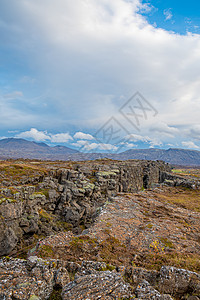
168, 14
193, 132
88, 58
60, 138
34, 134
87, 146
163, 128
83, 136
137, 138
101, 147
190, 145
41, 136
128, 145
153, 142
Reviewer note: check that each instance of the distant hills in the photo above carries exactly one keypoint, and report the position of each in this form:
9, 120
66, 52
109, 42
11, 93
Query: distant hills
173, 156
20, 148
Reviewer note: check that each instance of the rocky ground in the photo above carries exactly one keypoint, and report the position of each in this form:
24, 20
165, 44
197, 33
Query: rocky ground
99, 230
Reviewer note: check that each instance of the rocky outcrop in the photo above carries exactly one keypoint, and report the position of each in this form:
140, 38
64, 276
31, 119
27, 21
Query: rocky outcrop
175, 180
179, 282
32, 279
145, 291
98, 285
67, 199
37, 279
163, 284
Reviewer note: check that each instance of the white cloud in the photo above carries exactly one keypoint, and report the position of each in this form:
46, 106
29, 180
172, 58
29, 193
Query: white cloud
60, 138
128, 145
137, 138
168, 14
84, 145
40, 136
163, 128
34, 134
153, 142
102, 147
190, 145
80, 143
83, 136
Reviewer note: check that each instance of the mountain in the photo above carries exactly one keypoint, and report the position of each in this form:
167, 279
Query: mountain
173, 156
20, 148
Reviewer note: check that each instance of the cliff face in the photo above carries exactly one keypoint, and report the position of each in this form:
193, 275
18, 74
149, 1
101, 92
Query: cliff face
68, 198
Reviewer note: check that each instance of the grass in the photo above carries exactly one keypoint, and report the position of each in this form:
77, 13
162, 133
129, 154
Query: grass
154, 261
187, 172
182, 197
11, 171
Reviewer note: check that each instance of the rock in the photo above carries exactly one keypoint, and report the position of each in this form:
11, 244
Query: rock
8, 239
71, 215
145, 291
100, 285
178, 282
140, 274
32, 279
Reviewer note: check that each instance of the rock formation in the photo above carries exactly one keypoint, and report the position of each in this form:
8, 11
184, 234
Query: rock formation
68, 198
90, 231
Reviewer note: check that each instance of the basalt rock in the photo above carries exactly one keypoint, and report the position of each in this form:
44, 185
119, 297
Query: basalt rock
68, 198
32, 279
99, 285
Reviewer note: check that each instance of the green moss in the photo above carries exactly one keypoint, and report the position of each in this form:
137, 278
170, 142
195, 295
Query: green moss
2, 200
108, 268
34, 297
10, 200
76, 243
44, 214
30, 217
81, 190
81, 244
36, 195
106, 173
166, 242
45, 192
46, 251
66, 226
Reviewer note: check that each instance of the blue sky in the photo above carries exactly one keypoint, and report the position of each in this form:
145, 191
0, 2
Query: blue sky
69, 68
178, 16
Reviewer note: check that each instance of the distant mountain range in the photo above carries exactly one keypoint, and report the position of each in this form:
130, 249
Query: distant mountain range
173, 156
20, 148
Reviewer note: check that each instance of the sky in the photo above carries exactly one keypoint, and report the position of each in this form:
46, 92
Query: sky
101, 75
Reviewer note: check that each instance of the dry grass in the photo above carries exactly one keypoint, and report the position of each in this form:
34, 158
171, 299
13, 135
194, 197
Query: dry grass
182, 197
